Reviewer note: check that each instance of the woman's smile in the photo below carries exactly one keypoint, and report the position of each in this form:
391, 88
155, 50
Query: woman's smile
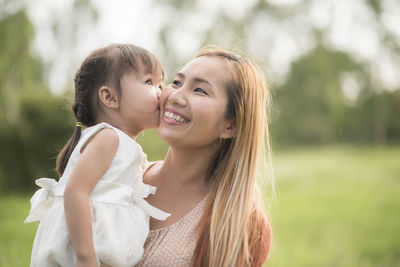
174, 117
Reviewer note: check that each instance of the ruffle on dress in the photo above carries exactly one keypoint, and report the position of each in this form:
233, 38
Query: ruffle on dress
42, 200
112, 193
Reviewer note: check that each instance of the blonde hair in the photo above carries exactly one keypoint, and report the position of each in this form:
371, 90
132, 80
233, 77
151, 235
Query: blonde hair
234, 222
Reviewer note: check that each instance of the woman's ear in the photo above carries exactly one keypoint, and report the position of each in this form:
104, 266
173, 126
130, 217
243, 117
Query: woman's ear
108, 97
228, 130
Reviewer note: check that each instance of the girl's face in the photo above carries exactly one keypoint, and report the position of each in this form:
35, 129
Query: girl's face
193, 105
139, 101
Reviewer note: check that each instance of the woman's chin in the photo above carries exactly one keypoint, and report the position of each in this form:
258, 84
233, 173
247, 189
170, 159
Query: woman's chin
167, 135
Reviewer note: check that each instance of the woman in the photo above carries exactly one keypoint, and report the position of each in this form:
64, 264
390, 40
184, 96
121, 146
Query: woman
214, 118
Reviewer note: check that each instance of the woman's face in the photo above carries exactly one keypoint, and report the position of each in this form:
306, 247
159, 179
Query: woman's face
193, 105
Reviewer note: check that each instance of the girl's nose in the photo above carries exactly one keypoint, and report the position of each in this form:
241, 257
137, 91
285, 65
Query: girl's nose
158, 92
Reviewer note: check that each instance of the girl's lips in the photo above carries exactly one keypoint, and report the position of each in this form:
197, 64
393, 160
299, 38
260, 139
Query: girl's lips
173, 117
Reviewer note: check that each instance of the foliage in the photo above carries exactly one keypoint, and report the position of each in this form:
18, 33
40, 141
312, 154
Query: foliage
18, 68
33, 141
32, 119
310, 106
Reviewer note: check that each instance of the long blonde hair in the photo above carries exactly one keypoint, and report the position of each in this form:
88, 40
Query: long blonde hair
233, 222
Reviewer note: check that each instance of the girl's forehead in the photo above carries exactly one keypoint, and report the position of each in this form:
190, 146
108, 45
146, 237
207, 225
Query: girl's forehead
141, 72
150, 67
156, 73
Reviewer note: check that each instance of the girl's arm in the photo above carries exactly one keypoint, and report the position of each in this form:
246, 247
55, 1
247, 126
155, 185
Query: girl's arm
95, 159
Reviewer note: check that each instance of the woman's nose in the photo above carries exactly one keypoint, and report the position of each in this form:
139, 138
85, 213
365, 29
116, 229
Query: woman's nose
178, 97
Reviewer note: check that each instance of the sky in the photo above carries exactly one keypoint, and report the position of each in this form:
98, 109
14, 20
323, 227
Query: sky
350, 27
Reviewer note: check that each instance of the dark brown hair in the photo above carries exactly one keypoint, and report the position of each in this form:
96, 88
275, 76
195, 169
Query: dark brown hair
103, 67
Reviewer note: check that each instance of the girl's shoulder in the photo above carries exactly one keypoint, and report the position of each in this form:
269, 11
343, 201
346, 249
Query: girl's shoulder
101, 132
124, 138
93, 130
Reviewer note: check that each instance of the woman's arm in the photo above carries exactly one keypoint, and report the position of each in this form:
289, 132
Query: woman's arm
93, 163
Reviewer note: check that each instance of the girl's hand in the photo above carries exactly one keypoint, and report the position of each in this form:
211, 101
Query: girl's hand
86, 262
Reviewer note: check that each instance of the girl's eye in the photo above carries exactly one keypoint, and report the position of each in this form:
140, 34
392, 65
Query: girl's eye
177, 83
149, 82
200, 91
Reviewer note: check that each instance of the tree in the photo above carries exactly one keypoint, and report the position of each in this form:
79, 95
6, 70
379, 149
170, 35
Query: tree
32, 119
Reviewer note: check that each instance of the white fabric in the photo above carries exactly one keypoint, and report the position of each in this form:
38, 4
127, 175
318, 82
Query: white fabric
120, 215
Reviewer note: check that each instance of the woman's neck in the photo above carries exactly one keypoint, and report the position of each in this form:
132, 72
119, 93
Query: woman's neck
184, 168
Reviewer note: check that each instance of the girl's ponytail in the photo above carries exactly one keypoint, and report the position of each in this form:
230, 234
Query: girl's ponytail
65, 154
84, 93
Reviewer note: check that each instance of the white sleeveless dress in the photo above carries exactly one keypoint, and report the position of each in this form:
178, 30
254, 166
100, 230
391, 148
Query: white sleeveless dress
120, 215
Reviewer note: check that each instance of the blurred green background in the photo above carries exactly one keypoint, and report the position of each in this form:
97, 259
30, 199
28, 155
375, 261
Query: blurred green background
333, 67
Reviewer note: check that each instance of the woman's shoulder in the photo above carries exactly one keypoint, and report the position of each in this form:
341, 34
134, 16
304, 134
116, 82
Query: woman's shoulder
262, 231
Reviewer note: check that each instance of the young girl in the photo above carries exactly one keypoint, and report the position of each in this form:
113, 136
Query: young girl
96, 213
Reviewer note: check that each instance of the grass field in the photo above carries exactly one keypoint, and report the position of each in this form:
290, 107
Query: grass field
335, 206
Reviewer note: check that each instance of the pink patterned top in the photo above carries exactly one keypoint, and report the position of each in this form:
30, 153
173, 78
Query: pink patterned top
173, 245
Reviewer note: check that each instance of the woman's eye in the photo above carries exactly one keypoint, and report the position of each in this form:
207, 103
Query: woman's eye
177, 83
149, 82
200, 91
